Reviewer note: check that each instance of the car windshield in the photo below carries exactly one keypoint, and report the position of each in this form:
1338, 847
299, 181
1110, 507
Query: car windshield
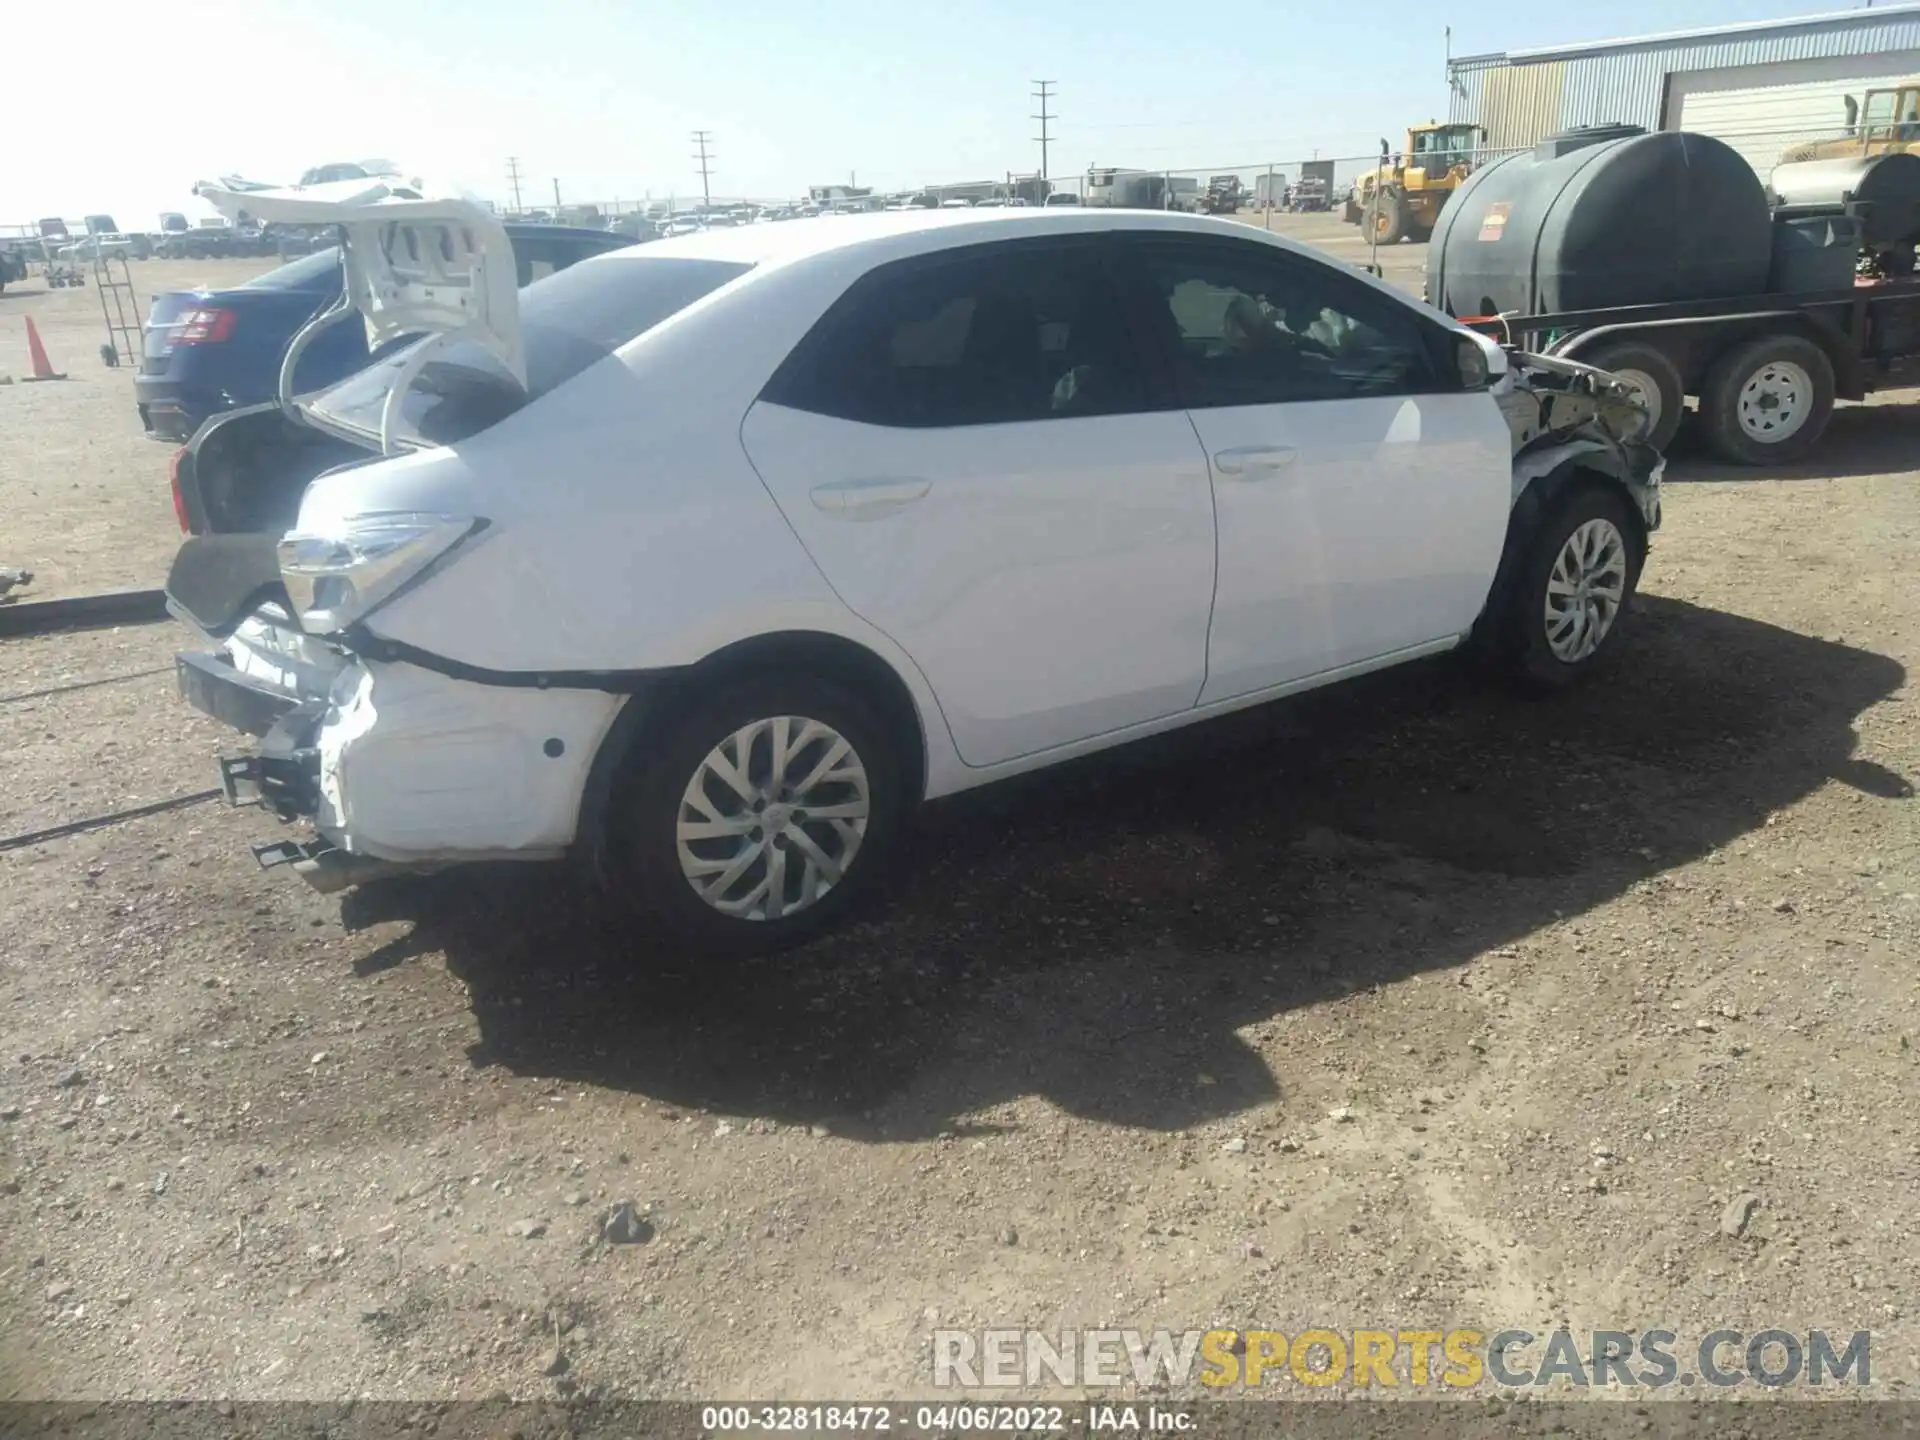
567, 322
318, 271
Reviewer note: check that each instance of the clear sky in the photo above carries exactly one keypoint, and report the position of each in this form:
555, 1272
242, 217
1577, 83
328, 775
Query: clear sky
136, 99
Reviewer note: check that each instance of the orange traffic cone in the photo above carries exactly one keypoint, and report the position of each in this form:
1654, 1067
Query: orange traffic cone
37, 353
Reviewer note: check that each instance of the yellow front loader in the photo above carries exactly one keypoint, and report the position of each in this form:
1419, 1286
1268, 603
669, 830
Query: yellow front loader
1889, 121
1403, 196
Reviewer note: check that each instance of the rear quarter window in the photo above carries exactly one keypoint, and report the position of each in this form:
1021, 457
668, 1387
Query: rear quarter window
568, 321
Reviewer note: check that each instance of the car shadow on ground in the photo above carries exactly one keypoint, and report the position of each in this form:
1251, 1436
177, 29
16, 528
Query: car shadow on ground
1097, 934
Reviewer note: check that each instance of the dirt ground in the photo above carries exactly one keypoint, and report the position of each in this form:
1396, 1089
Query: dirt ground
1409, 1005
83, 491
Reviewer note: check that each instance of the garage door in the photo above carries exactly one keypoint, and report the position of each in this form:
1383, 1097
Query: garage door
1761, 110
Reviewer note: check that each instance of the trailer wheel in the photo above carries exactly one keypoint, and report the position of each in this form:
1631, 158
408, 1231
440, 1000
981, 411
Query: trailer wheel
1767, 402
1648, 370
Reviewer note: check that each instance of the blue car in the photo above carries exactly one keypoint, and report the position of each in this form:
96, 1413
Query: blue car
213, 350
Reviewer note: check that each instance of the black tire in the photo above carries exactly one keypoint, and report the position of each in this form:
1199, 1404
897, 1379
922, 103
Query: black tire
1513, 634
1385, 222
1650, 369
640, 863
1754, 362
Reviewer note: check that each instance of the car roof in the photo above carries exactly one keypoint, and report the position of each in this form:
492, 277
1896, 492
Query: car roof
936, 229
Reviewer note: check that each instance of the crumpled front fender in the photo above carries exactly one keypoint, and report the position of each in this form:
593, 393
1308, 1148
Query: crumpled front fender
1638, 476
1565, 415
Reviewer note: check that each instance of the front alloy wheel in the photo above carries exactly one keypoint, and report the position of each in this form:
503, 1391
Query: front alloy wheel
773, 818
1585, 590
1570, 575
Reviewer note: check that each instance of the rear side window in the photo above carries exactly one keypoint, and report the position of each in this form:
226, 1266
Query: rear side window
993, 336
567, 322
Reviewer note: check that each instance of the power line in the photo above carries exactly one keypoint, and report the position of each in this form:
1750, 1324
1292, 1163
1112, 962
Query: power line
1043, 94
513, 174
704, 138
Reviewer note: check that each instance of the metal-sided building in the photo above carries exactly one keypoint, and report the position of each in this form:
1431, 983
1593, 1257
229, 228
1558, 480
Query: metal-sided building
1760, 87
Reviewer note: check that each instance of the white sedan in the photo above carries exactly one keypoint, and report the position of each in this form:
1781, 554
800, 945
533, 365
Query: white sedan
709, 560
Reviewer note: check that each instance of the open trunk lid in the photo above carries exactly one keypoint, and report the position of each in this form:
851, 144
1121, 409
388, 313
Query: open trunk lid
415, 263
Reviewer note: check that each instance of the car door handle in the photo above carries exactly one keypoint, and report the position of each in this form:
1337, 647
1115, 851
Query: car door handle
867, 499
1253, 460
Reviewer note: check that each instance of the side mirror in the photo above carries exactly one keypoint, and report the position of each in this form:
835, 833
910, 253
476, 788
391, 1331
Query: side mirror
1479, 359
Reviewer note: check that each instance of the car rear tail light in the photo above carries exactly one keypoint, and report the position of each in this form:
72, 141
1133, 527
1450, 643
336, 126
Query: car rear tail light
179, 499
211, 326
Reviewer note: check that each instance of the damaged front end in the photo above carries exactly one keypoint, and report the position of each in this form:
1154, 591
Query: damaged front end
1564, 414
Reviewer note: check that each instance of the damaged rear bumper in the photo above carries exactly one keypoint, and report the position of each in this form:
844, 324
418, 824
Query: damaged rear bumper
395, 766
283, 775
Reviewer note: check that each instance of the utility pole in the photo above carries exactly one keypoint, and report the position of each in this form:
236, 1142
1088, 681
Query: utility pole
1043, 93
513, 174
556, 196
704, 138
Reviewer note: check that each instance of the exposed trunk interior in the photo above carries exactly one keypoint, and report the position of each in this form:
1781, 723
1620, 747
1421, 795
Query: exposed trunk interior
247, 471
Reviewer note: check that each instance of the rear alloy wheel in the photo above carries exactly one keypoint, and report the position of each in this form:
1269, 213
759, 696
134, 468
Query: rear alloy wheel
765, 813
1653, 376
773, 818
1767, 402
1575, 579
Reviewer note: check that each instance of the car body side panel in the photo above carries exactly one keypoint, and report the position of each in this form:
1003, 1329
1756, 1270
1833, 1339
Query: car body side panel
686, 553
625, 539
1382, 530
1053, 577
678, 559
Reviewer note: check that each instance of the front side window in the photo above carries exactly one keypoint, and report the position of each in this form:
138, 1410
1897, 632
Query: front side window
996, 336
1251, 326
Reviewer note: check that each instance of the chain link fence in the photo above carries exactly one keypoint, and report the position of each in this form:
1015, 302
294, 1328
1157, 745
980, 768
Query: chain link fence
1256, 189
1320, 183
1299, 186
